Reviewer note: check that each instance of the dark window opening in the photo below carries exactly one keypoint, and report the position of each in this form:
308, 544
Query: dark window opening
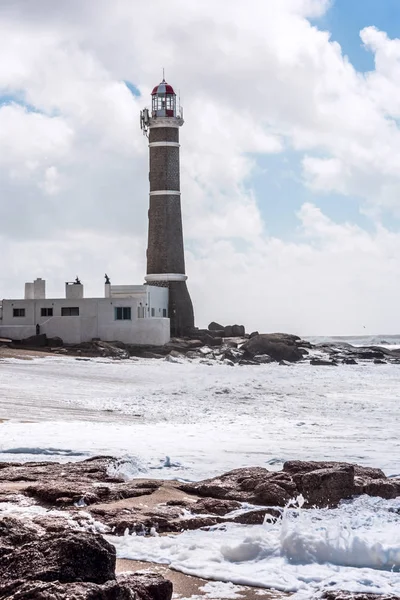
46, 312
123, 313
153, 312
18, 312
164, 312
70, 311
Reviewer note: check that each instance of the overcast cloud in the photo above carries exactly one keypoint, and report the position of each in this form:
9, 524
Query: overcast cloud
257, 79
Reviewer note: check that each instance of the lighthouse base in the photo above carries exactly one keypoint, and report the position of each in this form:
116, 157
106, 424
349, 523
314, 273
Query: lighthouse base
180, 309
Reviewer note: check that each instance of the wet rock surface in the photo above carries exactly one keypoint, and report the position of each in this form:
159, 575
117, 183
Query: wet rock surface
228, 344
40, 561
322, 484
62, 553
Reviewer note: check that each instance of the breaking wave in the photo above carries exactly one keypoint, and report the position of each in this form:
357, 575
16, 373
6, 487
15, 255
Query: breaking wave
355, 547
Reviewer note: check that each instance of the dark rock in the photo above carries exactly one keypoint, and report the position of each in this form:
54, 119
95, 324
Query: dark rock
321, 483
322, 363
209, 340
326, 487
252, 484
55, 342
379, 361
148, 586
193, 344
214, 507
127, 586
228, 331
253, 334
36, 341
38, 590
230, 344
349, 361
71, 556
238, 331
213, 326
147, 354
384, 488
300, 466
278, 346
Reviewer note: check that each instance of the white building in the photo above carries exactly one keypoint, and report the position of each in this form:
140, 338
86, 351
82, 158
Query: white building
134, 314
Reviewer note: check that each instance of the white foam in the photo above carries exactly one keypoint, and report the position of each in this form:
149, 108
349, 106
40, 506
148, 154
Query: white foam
206, 420
355, 547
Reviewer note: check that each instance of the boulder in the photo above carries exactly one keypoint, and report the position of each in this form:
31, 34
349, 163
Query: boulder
238, 331
277, 346
326, 487
193, 344
66, 557
55, 342
35, 341
323, 484
228, 331
253, 334
209, 340
148, 586
39, 590
213, 326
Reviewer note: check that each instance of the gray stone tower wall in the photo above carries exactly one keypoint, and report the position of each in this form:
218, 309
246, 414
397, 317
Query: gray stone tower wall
165, 251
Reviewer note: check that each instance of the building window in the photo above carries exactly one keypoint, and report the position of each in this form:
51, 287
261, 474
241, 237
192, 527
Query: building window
46, 312
70, 311
18, 312
123, 313
153, 312
140, 312
164, 312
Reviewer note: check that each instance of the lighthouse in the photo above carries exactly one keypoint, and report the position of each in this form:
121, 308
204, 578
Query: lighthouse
165, 251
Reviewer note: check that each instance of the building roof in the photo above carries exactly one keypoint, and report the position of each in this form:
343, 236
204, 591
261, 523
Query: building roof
163, 88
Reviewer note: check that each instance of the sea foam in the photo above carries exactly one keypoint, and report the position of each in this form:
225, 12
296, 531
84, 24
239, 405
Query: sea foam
355, 547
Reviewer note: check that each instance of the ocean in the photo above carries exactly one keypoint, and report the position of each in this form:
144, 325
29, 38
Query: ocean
189, 420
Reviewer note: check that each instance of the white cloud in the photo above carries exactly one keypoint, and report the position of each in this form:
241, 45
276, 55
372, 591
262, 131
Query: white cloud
257, 78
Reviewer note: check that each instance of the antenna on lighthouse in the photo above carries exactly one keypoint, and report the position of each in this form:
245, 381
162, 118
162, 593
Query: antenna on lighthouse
163, 74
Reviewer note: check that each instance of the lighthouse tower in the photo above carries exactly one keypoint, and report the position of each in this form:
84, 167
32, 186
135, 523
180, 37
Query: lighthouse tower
165, 253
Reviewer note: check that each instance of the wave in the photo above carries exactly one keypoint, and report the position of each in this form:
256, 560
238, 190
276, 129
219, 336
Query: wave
43, 451
357, 340
355, 547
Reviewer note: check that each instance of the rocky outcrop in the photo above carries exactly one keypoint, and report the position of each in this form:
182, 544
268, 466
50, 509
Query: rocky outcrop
89, 489
36, 563
322, 484
65, 557
279, 346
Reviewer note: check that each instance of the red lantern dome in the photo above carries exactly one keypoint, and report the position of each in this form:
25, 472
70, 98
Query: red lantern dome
163, 88
163, 100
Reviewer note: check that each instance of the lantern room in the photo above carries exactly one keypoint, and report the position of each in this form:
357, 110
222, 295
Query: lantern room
163, 101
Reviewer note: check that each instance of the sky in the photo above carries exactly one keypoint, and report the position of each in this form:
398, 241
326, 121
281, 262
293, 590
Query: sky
290, 153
